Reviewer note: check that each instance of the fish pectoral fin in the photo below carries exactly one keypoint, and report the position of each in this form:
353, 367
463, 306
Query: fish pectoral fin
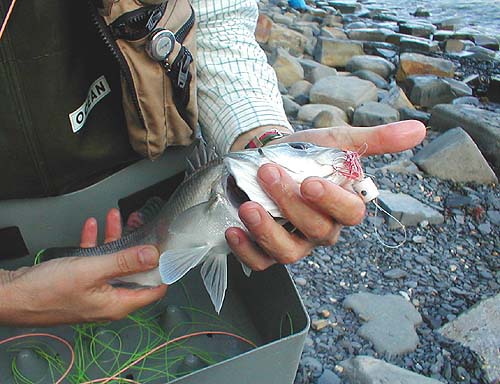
175, 263
214, 275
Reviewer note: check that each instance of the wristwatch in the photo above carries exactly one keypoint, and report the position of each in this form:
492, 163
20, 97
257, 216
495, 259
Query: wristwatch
160, 44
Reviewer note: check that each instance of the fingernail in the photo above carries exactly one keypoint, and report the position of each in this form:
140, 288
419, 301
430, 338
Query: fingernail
270, 175
148, 256
313, 189
252, 217
232, 238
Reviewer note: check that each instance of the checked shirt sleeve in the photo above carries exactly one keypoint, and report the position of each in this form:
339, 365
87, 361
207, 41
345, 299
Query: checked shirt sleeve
237, 89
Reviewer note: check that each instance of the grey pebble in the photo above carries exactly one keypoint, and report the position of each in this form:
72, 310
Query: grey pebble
328, 377
300, 281
484, 228
395, 273
419, 239
312, 365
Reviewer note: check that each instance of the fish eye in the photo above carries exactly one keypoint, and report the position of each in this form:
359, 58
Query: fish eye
301, 146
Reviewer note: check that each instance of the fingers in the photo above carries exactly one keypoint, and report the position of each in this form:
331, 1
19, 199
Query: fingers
130, 300
275, 244
345, 206
394, 137
112, 231
248, 252
113, 228
88, 237
317, 208
125, 262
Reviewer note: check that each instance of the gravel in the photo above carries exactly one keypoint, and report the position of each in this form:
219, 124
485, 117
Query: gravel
454, 268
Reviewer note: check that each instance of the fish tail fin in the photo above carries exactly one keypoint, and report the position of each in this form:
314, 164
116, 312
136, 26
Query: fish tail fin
175, 263
214, 275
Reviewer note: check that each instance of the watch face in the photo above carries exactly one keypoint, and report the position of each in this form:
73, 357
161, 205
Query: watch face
161, 45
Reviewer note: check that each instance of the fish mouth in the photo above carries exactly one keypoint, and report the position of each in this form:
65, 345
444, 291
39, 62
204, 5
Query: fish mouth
235, 195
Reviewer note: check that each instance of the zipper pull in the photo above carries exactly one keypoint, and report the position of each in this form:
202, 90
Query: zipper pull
154, 19
184, 69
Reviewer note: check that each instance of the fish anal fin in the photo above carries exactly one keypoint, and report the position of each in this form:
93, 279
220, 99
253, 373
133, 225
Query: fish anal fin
214, 275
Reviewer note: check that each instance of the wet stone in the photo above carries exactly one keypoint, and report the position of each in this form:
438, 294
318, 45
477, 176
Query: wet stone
395, 273
440, 157
390, 321
376, 79
312, 365
367, 370
418, 44
479, 329
328, 377
494, 217
414, 114
300, 281
374, 113
376, 64
407, 210
484, 228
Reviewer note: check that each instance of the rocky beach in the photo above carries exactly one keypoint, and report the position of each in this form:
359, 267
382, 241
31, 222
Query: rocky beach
420, 305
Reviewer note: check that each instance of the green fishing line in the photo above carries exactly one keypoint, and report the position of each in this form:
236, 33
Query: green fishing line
100, 348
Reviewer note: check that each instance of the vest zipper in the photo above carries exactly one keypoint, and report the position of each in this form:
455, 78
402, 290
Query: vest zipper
109, 40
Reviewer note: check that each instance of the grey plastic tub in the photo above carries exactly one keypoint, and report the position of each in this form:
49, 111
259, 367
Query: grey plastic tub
264, 308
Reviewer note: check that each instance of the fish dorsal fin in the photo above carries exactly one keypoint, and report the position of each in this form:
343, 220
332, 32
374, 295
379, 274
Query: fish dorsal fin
175, 263
214, 275
201, 155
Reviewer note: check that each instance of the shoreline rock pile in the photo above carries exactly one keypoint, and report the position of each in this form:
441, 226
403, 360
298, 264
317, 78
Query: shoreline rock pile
349, 63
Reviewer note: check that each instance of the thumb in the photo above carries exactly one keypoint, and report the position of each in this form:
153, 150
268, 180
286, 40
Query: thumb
128, 261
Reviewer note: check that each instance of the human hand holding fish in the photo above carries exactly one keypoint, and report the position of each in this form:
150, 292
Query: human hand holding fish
76, 289
317, 207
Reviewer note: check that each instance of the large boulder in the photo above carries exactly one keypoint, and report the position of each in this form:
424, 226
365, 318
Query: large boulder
287, 68
368, 370
430, 90
408, 210
417, 64
293, 41
479, 329
397, 99
326, 119
417, 29
336, 52
314, 71
482, 125
375, 64
300, 91
343, 92
377, 80
333, 33
418, 44
373, 113
369, 34
455, 156
263, 29
309, 112
390, 321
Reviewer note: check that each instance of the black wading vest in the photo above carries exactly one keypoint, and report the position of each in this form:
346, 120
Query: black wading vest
53, 64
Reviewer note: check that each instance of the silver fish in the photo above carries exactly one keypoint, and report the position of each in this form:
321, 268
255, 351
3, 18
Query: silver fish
189, 229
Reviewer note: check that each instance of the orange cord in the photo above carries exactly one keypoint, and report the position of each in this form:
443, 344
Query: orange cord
108, 379
7, 17
52, 337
